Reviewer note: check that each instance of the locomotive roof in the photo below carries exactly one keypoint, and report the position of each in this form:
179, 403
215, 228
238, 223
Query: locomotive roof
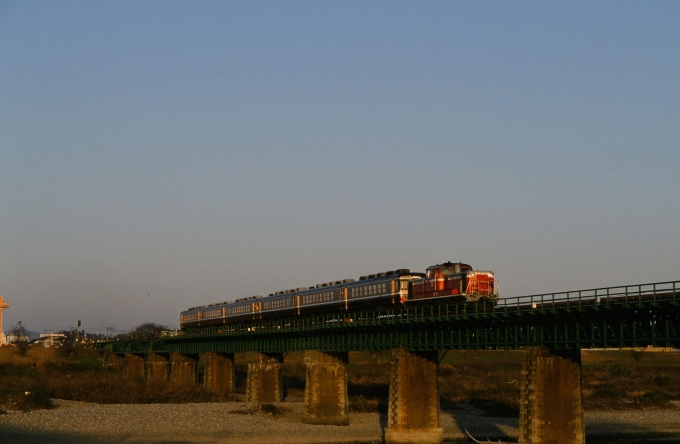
448, 263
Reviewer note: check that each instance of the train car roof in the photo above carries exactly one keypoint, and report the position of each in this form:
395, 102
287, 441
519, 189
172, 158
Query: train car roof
387, 275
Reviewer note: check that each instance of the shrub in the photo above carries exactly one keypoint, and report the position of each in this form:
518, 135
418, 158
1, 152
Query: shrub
360, 404
272, 409
609, 390
22, 347
662, 380
655, 398
620, 370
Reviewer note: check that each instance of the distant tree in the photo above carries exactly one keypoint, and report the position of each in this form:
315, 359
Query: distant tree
20, 337
149, 330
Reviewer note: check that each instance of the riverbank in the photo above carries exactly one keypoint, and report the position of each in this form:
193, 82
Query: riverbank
236, 422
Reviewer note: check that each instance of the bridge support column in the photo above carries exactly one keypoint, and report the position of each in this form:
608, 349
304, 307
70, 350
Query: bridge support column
326, 388
113, 360
413, 412
183, 368
155, 367
264, 382
218, 371
550, 398
133, 366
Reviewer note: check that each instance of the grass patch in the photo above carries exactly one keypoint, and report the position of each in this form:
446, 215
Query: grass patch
489, 380
272, 409
32, 385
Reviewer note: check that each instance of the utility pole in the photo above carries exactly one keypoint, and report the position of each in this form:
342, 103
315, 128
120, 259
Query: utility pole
3, 305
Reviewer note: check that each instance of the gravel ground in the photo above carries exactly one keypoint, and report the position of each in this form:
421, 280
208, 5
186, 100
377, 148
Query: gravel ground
77, 422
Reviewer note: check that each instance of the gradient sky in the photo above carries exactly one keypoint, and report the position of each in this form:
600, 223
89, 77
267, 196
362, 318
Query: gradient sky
159, 155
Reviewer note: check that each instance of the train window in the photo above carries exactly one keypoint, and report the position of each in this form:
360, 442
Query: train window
241, 309
190, 317
212, 313
446, 270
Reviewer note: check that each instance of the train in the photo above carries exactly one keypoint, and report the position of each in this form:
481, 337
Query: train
457, 282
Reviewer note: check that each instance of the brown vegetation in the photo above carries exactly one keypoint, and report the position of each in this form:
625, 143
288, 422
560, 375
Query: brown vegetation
630, 379
489, 380
30, 382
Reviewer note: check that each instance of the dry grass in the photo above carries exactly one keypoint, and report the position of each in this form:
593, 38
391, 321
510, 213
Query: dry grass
630, 379
368, 382
31, 383
488, 380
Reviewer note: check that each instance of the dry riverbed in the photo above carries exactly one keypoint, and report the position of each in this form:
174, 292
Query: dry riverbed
79, 422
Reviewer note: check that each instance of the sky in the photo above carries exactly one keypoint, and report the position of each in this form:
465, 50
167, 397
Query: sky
155, 156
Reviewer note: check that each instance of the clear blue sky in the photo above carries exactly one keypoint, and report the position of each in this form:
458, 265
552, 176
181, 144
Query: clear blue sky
159, 155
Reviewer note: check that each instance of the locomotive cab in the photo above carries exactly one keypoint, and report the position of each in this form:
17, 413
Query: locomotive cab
447, 269
456, 280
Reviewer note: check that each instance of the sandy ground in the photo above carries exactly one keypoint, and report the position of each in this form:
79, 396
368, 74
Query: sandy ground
77, 422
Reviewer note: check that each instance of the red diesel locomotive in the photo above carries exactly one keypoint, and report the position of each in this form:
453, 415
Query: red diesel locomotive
456, 281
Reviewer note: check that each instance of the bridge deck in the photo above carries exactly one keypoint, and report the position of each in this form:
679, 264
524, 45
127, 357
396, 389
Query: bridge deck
630, 316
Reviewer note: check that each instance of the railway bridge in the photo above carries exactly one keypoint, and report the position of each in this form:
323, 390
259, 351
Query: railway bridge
551, 328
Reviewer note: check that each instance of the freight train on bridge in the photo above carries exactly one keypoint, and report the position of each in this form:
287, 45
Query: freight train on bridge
455, 282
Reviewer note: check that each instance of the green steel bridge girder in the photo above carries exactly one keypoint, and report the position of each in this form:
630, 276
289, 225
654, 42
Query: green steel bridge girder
652, 322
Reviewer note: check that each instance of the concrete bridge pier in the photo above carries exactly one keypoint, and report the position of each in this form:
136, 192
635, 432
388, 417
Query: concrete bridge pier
413, 411
551, 411
155, 367
113, 360
326, 388
133, 366
218, 371
183, 368
263, 383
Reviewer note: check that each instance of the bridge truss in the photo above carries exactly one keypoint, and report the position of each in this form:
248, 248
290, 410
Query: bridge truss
630, 316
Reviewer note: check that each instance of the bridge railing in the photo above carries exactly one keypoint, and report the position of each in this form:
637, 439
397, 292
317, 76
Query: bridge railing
597, 298
605, 296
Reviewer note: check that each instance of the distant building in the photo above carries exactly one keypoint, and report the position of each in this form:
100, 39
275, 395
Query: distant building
9, 339
48, 340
